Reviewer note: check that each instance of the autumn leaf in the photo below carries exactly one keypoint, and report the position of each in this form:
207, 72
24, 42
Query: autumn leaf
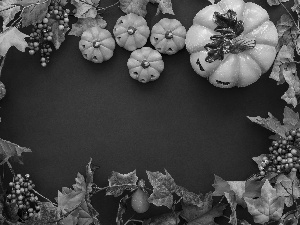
268, 207
288, 187
190, 212
8, 11
85, 8
290, 121
212, 1
120, 182
189, 197
47, 214
275, 2
12, 37
58, 35
208, 217
164, 219
231, 198
34, 11
165, 6
10, 150
83, 24
121, 210
134, 6
232, 187
163, 187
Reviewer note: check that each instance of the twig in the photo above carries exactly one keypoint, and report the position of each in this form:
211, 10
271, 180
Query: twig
133, 220
65, 215
44, 197
289, 14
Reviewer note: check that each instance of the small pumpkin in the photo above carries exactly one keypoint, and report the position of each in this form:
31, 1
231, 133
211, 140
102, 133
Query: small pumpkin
232, 43
131, 31
168, 36
145, 64
97, 44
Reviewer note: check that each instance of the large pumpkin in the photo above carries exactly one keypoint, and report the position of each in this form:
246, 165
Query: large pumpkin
145, 64
131, 31
232, 43
168, 36
97, 44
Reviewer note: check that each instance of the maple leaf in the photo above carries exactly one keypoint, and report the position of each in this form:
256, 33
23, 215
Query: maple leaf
85, 9
236, 188
12, 37
165, 6
83, 24
8, 11
296, 7
189, 197
163, 187
190, 212
268, 206
276, 2
134, 6
34, 11
120, 182
58, 35
10, 150
290, 121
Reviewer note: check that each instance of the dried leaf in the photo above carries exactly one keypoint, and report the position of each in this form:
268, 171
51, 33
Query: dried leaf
190, 212
121, 210
8, 11
275, 2
120, 182
58, 35
134, 6
85, 8
165, 6
34, 13
83, 24
10, 150
163, 187
231, 198
189, 197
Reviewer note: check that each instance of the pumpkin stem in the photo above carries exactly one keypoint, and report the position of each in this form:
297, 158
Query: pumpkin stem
131, 30
96, 44
145, 64
169, 35
230, 39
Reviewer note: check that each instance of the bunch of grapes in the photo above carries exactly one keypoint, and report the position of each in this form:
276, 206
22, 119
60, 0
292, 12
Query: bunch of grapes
284, 154
42, 33
22, 194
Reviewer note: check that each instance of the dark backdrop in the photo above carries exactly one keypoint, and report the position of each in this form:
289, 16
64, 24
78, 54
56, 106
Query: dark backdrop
74, 109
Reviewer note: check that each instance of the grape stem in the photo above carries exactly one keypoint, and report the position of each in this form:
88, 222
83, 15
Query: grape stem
44, 197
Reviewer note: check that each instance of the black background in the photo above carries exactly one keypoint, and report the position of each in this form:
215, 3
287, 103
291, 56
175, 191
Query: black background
74, 109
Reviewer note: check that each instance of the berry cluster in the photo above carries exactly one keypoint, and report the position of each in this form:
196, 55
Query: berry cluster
284, 154
42, 33
23, 196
